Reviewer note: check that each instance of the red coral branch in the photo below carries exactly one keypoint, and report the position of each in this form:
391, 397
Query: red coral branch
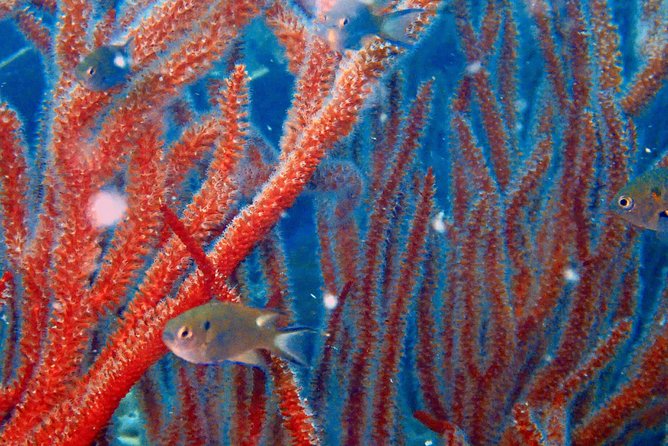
312, 89
449, 431
293, 408
390, 132
258, 403
632, 396
35, 30
541, 13
354, 413
598, 360
525, 427
324, 368
71, 39
385, 392
13, 184
290, 32
427, 336
647, 83
190, 416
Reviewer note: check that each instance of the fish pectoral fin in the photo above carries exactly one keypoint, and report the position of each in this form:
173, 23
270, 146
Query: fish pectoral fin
267, 318
251, 357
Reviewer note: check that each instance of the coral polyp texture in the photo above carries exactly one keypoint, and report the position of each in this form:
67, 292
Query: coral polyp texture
437, 210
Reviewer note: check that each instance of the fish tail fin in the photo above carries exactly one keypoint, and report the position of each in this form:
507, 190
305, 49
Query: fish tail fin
128, 43
127, 48
662, 227
296, 345
395, 26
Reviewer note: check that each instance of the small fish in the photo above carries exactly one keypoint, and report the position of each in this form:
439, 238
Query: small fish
106, 67
643, 202
223, 331
347, 23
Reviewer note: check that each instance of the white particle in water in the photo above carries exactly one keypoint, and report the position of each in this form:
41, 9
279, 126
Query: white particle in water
571, 275
107, 208
330, 300
474, 67
438, 223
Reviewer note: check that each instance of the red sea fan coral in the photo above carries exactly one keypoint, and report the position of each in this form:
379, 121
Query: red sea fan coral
506, 318
91, 138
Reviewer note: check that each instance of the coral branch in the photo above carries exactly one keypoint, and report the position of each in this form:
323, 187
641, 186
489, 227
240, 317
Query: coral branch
290, 32
368, 325
71, 39
385, 392
647, 83
312, 89
587, 371
449, 432
631, 397
525, 427
292, 406
13, 184
35, 30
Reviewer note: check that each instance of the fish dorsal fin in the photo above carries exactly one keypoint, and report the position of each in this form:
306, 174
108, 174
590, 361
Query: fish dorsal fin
308, 7
251, 357
266, 319
380, 7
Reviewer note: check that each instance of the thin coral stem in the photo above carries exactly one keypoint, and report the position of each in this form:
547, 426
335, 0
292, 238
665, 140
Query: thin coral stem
312, 89
324, 368
192, 420
290, 32
354, 413
526, 427
36, 301
258, 410
13, 185
598, 360
195, 250
426, 362
71, 38
293, 408
390, 133
508, 72
522, 281
385, 392
274, 265
541, 13
647, 83
631, 396
35, 30
327, 265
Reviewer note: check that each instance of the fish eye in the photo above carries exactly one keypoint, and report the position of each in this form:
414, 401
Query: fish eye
184, 333
91, 71
207, 325
343, 22
625, 202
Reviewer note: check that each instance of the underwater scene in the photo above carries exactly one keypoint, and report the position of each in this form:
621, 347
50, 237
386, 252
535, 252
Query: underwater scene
334, 222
